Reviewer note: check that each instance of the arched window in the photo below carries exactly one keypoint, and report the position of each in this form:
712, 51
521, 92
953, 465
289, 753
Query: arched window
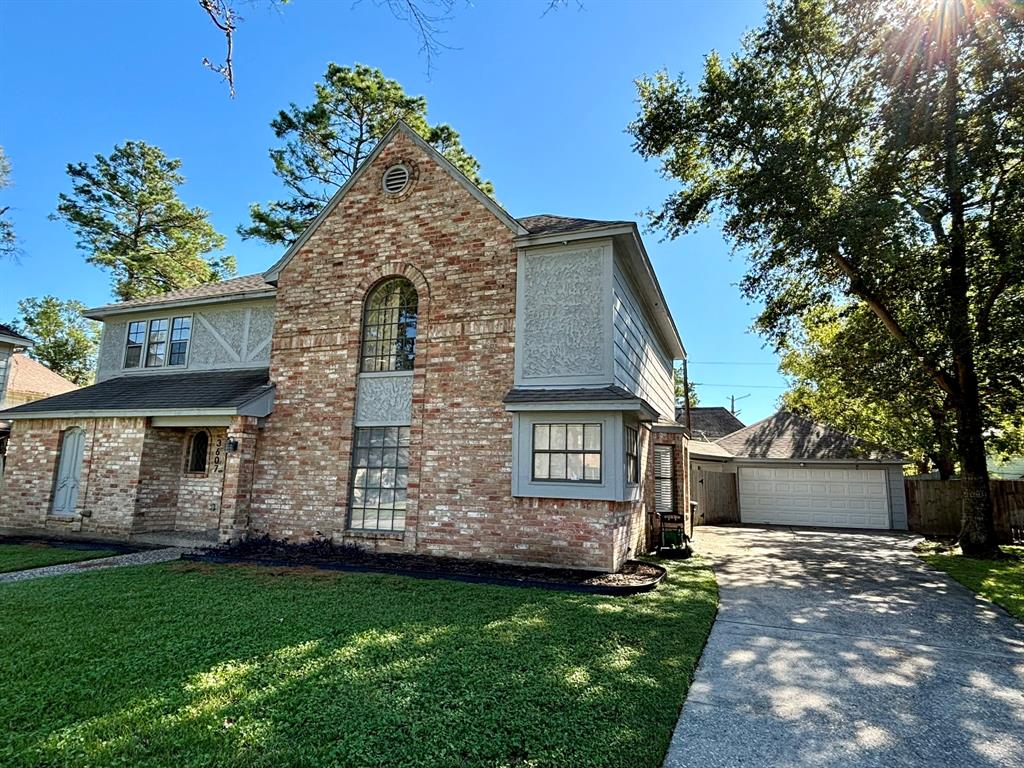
198, 447
389, 326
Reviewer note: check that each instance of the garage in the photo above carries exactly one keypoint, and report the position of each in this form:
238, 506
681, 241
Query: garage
789, 470
843, 498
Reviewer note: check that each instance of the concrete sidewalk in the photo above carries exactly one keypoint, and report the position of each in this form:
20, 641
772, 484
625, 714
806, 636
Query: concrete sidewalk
844, 649
132, 558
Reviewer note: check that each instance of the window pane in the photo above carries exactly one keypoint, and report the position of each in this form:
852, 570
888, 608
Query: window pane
592, 466
136, 332
574, 437
403, 435
540, 466
558, 437
574, 466
541, 432
155, 354
592, 437
178, 351
133, 356
376, 436
557, 466
380, 486
389, 326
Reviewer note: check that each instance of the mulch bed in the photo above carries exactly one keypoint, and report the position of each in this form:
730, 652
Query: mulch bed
634, 577
85, 545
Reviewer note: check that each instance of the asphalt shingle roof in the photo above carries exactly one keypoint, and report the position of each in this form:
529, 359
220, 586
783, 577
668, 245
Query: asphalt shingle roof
710, 422
785, 435
547, 224
140, 394
29, 376
224, 289
6, 330
585, 394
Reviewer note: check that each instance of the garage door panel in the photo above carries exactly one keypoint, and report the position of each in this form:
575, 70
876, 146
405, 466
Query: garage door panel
845, 498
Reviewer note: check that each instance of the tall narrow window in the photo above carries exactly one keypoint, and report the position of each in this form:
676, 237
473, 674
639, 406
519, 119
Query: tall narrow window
389, 327
198, 448
632, 455
156, 348
133, 347
181, 330
380, 478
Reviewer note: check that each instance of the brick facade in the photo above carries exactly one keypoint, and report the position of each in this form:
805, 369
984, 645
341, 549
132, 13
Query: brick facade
290, 475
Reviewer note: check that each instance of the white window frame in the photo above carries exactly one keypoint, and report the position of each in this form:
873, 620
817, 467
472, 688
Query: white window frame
143, 357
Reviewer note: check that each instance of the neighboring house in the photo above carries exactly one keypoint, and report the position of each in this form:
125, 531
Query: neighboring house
420, 372
712, 422
792, 471
22, 379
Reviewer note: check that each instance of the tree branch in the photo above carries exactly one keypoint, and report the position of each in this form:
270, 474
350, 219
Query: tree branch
226, 20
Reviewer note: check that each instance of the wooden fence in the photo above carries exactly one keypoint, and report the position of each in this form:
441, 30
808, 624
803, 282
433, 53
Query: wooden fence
715, 494
933, 507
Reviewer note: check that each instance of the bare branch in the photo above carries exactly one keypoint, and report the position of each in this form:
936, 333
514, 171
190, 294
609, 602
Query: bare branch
226, 20
426, 24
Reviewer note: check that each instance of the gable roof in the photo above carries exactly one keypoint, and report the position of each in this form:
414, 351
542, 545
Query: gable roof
271, 275
10, 336
548, 224
247, 286
710, 422
785, 435
31, 376
154, 394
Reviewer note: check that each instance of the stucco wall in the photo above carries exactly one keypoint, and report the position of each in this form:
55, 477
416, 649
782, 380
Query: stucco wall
224, 336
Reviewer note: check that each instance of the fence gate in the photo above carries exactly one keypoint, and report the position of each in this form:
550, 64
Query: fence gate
715, 494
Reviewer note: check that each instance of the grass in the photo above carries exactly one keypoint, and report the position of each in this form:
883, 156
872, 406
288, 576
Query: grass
20, 557
1001, 581
191, 664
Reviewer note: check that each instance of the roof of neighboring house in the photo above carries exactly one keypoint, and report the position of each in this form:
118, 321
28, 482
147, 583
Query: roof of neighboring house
710, 422
548, 224
785, 435
706, 449
30, 376
236, 287
1011, 468
11, 336
155, 393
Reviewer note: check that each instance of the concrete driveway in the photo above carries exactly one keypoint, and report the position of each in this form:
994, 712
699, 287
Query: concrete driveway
843, 649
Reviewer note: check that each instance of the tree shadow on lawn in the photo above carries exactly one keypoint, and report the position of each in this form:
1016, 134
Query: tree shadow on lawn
219, 665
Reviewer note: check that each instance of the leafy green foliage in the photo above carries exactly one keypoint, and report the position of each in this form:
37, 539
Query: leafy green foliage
197, 665
685, 389
127, 216
66, 342
868, 153
8, 242
21, 557
1001, 581
325, 142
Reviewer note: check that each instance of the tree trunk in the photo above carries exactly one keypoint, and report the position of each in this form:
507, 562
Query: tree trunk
977, 534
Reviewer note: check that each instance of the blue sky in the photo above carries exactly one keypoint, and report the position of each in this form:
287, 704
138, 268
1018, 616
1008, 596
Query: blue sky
541, 100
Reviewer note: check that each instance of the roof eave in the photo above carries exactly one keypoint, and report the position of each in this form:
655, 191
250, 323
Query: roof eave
99, 313
17, 341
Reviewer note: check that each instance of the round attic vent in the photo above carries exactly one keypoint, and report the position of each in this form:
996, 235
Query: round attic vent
396, 179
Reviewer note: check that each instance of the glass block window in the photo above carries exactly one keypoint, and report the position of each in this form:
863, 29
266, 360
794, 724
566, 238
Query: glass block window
632, 455
133, 347
380, 477
181, 331
389, 327
567, 452
156, 347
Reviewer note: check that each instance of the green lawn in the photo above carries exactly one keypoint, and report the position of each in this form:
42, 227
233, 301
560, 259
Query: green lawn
19, 557
195, 665
1001, 581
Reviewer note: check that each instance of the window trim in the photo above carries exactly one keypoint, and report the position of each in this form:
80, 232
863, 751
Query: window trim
144, 347
190, 451
583, 453
631, 450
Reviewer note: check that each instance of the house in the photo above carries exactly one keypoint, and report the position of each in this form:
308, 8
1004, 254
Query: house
711, 422
22, 379
789, 470
419, 372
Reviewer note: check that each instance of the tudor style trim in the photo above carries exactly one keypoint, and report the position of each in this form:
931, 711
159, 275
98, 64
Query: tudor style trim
272, 274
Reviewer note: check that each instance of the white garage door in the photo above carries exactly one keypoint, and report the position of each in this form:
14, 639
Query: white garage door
840, 498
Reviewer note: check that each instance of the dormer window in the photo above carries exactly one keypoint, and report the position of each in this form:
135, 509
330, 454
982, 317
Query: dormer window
159, 342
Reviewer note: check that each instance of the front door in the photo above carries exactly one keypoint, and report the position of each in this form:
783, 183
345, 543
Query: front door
65, 495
